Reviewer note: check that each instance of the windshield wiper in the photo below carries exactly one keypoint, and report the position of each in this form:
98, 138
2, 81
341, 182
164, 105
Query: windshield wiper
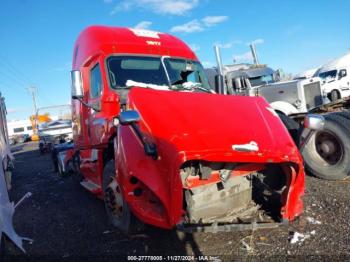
204, 89
190, 86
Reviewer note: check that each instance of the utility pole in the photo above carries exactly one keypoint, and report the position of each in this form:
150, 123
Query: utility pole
33, 91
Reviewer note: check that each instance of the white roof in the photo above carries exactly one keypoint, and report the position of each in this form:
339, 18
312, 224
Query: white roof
17, 123
338, 63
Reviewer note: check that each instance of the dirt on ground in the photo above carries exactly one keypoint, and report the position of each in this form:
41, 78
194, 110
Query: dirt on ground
67, 223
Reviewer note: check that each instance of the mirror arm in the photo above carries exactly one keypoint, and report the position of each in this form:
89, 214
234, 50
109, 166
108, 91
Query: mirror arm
86, 104
150, 148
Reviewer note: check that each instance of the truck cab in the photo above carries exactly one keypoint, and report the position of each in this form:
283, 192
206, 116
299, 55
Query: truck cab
335, 78
159, 146
285, 97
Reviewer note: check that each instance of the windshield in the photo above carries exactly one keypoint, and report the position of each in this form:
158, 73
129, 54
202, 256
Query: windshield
149, 70
328, 74
261, 80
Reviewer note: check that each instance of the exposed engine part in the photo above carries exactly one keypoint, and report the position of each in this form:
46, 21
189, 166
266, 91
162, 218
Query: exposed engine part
226, 172
231, 198
203, 169
215, 202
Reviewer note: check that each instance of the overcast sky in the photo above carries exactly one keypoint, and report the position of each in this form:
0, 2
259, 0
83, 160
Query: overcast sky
37, 36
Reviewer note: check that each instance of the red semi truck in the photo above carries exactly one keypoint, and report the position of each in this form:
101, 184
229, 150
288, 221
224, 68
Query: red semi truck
159, 147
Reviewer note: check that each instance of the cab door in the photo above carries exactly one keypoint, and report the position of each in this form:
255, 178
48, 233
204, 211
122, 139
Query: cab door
96, 118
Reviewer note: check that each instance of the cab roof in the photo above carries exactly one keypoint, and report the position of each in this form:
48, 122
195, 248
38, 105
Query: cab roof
339, 63
103, 40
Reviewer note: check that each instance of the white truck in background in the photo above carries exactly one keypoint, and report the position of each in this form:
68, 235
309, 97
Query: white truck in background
335, 76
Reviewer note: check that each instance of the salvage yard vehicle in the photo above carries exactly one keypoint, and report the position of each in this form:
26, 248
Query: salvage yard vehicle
285, 97
56, 129
159, 147
335, 78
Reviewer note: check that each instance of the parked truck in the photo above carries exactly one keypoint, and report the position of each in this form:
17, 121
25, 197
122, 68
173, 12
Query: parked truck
335, 78
285, 97
159, 147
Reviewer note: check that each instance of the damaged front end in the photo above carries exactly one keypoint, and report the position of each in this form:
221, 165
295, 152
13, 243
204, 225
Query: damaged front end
237, 196
213, 172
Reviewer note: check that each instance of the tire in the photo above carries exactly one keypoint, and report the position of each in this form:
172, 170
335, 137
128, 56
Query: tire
76, 174
334, 95
345, 114
118, 214
292, 126
327, 153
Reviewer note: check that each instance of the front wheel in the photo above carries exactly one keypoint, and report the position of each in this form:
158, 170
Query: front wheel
334, 95
117, 209
327, 152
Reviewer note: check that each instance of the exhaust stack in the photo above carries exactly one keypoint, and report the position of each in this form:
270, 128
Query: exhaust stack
219, 79
254, 54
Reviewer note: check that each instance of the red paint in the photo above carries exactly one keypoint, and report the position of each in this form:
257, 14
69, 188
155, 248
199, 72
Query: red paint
184, 126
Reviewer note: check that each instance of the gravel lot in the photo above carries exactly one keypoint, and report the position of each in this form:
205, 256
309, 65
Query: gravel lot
69, 224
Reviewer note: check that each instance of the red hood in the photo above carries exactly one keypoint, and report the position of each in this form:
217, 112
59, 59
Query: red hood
206, 126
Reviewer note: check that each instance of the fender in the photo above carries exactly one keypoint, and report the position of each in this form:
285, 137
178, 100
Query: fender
284, 107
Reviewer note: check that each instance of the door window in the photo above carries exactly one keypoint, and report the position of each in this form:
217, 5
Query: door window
96, 82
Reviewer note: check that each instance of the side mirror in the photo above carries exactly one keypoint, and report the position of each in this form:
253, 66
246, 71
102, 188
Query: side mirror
129, 117
314, 122
77, 85
342, 73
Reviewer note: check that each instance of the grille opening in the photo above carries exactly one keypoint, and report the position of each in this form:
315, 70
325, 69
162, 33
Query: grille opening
251, 193
313, 95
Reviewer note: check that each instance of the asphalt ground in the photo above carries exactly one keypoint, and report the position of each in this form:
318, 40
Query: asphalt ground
67, 223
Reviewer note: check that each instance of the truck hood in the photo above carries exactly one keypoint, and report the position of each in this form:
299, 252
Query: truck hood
212, 127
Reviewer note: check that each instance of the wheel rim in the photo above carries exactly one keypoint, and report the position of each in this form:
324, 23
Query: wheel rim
114, 199
329, 148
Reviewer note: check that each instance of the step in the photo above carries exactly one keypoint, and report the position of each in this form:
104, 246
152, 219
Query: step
91, 186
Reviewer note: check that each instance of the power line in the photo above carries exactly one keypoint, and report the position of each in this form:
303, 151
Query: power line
5, 83
14, 70
46, 97
12, 78
14, 74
